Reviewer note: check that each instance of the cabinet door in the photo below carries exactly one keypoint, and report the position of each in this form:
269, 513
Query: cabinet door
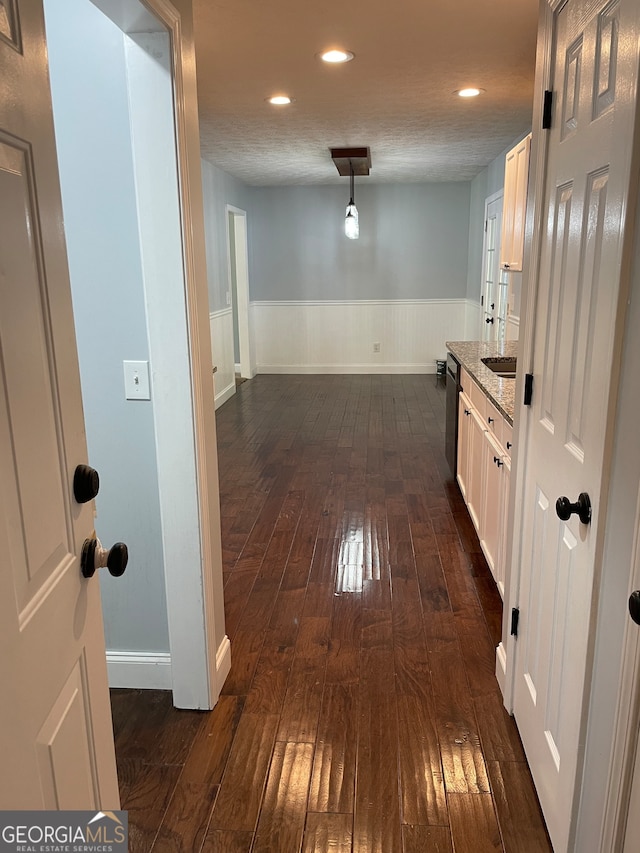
475, 469
492, 527
516, 180
464, 414
502, 566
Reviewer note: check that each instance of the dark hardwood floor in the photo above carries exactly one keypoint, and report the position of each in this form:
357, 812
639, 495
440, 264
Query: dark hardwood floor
361, 714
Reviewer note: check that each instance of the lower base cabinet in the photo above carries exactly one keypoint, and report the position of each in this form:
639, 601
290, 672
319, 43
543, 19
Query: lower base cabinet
484, 474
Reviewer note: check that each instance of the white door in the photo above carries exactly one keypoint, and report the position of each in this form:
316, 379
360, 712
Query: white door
587, 181
55, 719
491, 268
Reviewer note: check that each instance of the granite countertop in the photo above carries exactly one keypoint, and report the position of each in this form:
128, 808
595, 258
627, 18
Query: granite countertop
501, 392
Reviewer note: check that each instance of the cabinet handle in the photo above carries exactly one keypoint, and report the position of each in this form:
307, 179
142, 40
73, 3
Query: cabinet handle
499, 462
467, 412
495, 459
509, 445
490, 420
506, 266
489, 320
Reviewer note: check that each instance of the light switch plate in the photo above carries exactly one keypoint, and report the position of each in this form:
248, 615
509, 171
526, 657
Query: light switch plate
136, 380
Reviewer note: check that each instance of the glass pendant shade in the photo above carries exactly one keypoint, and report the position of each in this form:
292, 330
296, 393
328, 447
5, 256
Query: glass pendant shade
351, 226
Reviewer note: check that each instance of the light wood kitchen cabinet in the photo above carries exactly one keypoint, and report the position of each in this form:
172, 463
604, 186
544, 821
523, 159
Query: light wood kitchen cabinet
464, 412
484, 468
516, 180
496, 496
503, 556
475, 472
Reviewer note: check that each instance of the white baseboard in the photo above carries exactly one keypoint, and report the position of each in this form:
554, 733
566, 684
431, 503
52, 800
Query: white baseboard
142, 670
225, 394
346, 368
223, 662
501, 667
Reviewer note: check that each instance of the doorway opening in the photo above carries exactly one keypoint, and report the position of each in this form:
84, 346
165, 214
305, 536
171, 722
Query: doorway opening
115, 118
238, 271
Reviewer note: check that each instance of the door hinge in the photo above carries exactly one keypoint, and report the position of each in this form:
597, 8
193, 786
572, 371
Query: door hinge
515, 617
546, 110
486, 222
528, 388
482, 300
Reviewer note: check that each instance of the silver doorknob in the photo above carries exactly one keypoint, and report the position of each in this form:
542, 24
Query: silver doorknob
94, 556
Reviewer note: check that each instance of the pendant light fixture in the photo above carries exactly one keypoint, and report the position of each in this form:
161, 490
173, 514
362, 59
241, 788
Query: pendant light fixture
351, 162
351, 224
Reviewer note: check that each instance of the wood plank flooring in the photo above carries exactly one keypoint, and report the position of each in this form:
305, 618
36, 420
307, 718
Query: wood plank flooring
361, 714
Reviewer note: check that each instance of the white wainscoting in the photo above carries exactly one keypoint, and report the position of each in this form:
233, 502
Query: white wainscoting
339, 337
221, 327
141, 670
472, 321
513, 327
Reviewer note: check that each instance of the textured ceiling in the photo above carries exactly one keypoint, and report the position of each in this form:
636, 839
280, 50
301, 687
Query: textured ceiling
396, 96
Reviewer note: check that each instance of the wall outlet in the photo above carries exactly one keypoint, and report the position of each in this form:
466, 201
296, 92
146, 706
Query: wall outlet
376, 347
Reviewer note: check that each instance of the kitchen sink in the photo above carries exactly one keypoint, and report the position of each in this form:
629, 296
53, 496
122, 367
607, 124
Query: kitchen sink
505, 368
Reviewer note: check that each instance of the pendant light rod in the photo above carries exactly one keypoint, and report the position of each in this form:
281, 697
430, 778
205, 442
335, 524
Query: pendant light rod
352, 183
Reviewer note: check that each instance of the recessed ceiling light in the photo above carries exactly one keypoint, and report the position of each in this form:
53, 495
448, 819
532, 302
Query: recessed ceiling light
469, 93
336, 55
280, 100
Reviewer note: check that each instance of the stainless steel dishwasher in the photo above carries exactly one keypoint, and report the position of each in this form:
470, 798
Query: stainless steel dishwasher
451, 430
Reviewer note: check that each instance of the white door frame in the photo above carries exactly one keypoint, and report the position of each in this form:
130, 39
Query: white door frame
240, 247
610, 727
199, 647
614, 711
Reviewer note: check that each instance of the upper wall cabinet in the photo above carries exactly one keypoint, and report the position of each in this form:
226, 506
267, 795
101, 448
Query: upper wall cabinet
516, 179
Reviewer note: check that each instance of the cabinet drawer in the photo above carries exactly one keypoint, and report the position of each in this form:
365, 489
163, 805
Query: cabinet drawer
465, 381
478, 401
494, 420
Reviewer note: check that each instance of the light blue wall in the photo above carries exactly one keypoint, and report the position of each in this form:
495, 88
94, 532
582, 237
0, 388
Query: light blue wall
86, 55
413, 242
219, 190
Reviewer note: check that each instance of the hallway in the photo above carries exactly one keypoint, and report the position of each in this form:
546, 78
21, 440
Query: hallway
361, 712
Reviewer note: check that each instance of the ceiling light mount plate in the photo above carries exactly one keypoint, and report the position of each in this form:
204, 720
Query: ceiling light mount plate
347, 158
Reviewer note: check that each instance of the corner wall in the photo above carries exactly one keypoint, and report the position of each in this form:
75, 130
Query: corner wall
86, 54
488, 182
219, 190
386, 302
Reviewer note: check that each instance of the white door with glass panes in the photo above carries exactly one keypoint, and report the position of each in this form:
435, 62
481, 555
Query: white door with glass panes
56, 738
579, 317
491, 288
